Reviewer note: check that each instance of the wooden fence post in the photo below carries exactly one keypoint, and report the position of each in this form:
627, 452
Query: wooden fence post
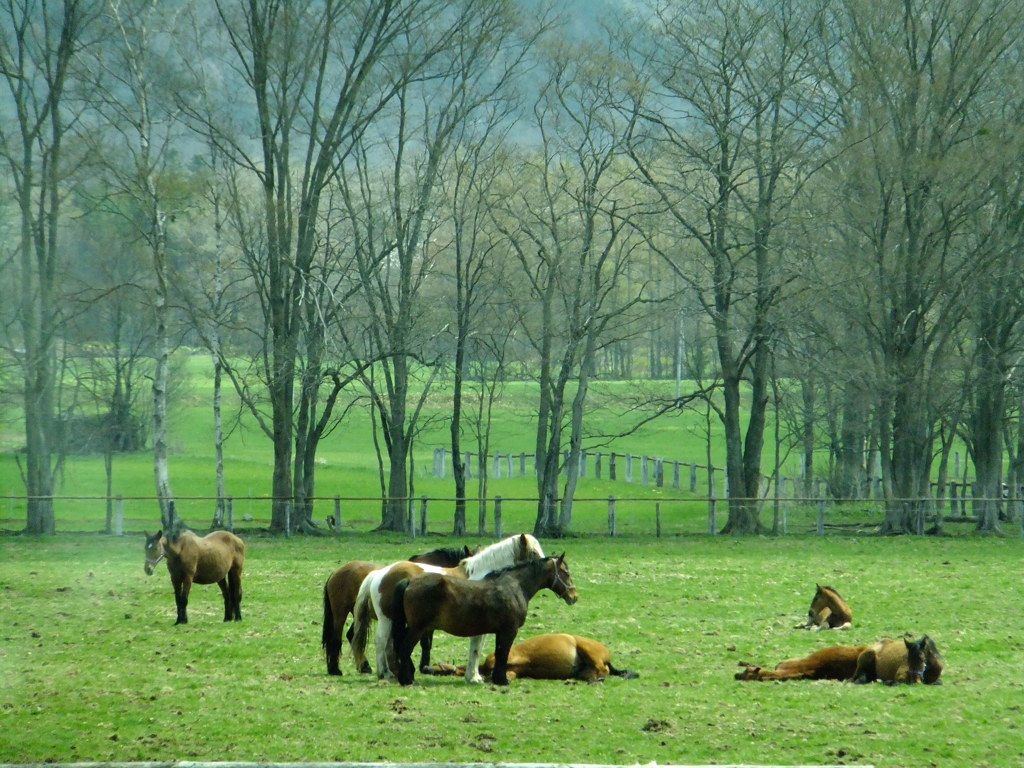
497, 517
821, 517
693, 478
337, 515
597, 466
119, 516
522, 465
643, 470
229, 514
423, 515
611, 466
657, 519
629, 467
675, 475
611, 515
712, 504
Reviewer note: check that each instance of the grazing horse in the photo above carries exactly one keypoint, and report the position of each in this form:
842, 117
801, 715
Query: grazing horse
828, 611
340, 592
899, 661
495, 605
836, 662
375, 596
216, 558
558, 657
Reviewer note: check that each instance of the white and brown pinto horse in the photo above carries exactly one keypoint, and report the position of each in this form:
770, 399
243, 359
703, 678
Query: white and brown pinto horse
376, 597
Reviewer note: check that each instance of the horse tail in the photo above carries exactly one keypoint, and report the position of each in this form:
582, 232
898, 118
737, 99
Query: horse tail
624, 673
360, 628
329, 639
399, 623
404, 669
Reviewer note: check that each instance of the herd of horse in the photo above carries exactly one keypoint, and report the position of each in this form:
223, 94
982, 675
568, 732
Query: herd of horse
472, 594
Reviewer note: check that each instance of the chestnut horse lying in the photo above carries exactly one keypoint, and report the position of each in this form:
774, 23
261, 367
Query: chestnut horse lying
894, 661
558, 657
216, 558
837, 662
340, 592
495, 605
828, 611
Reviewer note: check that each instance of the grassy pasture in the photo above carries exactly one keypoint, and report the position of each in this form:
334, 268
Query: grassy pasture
91, 667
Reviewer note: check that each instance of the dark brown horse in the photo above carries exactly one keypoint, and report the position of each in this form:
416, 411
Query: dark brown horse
900, 661
340, 598
216, 558
828, 611
558, 657
836, 662
495, 605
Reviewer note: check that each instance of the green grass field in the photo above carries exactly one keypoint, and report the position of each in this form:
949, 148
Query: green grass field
91, 667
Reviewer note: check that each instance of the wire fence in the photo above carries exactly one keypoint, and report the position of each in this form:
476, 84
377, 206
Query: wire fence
495, 516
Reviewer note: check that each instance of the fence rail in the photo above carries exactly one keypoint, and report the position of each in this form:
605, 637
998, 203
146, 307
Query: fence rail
609, 515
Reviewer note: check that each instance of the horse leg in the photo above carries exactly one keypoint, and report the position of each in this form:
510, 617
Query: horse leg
425, 644
502, 645
226, 593
472, 673
381, 638
405, 670
866, 671
181, 590
823, 618
235, 585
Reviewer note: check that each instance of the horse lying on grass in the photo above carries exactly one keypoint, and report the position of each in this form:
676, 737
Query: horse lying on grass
340, 592
558, 657
216, 558
828, 611
893, 661
495, 605
900, 661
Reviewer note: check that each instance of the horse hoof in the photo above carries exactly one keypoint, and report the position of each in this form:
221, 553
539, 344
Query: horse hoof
365, 668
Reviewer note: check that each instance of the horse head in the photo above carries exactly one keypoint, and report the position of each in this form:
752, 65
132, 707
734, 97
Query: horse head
154, 550
917, 658
562, 584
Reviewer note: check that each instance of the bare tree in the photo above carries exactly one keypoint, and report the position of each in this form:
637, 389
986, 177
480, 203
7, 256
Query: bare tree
568, 219
915, 119
396, 213
39, 43
131, 94
727, 122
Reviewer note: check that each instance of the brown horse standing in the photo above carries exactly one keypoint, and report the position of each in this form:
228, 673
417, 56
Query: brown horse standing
216, 558
340, 598
558, 657
837, 662
495, 605
899, 661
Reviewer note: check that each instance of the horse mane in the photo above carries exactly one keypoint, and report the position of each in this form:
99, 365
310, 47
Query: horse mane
449, 553
497, 555
832, 590
534, 563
